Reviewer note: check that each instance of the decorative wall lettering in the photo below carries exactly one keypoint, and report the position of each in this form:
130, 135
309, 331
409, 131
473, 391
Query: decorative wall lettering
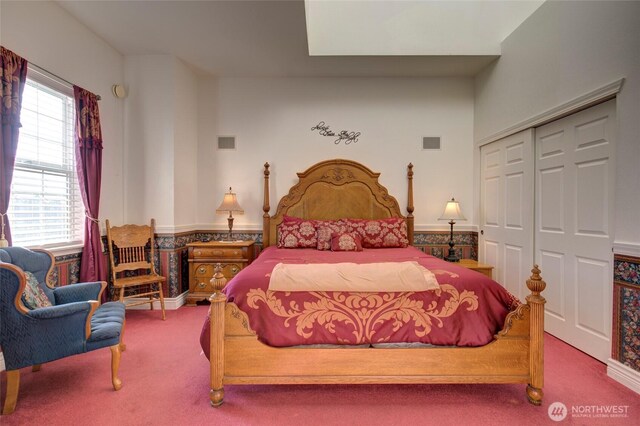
344, 135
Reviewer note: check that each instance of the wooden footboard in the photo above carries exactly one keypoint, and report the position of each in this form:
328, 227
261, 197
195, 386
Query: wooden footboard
514, 356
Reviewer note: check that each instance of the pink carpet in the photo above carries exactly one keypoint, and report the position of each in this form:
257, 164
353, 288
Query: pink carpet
166, 382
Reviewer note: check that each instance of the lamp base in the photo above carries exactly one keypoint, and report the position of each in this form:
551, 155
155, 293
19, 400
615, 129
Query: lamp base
452, 253
452, 258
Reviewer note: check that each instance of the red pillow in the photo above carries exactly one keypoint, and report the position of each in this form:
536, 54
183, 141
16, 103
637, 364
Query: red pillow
325, 229
380, 233
295, 232
345, 241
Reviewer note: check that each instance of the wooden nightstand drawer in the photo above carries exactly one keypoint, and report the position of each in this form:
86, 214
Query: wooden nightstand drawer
227, 252
205, 257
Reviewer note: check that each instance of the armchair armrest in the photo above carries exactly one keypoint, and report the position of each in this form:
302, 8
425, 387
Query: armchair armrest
79, 292
59, 311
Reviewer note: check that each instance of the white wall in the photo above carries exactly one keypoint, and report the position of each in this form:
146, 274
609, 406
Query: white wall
46, 35
149, 129
161, 142
564, 50
185, 147
271, 119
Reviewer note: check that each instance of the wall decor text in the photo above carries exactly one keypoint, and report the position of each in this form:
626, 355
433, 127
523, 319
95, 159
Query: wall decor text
344, 135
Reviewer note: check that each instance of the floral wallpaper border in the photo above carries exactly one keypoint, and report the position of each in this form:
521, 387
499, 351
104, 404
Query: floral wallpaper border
172, 258
626, 310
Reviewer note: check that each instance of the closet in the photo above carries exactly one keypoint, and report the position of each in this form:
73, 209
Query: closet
547, 197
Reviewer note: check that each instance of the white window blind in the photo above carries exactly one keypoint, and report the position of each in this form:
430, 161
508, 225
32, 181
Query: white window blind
46, 206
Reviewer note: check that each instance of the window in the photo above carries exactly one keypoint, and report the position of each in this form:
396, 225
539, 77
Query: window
46, 206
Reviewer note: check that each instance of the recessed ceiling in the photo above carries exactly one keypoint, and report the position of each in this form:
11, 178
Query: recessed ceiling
396, 27
269, 38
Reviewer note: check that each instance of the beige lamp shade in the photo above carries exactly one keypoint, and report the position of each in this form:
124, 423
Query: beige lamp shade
452, 211
229, 204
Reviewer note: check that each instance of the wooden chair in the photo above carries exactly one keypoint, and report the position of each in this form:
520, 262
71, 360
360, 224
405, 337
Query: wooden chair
128, 255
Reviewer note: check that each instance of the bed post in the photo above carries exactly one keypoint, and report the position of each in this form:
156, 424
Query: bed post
410, 204
216, 337
266, 226
536, 331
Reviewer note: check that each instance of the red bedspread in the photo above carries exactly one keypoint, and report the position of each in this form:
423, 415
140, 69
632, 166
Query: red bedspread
468, 309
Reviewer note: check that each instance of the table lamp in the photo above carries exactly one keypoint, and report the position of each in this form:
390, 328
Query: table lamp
452, 213
229, 205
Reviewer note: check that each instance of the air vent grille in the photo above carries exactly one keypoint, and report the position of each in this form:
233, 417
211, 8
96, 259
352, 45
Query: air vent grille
226, 142
431, 142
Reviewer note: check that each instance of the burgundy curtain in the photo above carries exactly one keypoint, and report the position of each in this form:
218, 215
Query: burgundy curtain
89, 168
14, 78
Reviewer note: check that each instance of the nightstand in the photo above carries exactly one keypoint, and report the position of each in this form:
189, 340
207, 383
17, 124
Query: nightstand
203, 257
476, 266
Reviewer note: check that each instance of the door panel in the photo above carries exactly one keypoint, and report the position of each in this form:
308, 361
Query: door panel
590, 311
574, 201
553, 271
506, 210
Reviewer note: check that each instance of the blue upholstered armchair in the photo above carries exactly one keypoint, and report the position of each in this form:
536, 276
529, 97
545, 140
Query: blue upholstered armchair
75, 322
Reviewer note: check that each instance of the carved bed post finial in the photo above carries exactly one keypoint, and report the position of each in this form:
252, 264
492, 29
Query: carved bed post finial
536, 350
265, 208
410, 204
219, 280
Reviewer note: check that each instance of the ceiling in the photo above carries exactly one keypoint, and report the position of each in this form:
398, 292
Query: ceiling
389, 38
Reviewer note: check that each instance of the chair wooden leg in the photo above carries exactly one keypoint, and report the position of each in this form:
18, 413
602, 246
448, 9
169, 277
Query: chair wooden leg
151, 298
13, 384
123, 347
161, 300
122, 294
115, 364
36, 368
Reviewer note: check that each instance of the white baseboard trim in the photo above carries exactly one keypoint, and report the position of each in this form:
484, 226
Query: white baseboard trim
170, 303
624, 375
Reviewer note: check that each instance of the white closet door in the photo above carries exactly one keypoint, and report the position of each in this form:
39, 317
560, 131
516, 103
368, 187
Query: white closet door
574, 201
506, 210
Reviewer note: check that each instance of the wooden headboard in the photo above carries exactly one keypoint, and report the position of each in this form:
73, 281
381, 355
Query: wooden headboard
335, 189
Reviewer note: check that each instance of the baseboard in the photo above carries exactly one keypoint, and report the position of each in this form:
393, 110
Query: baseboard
170, 303
624, 375
1, 362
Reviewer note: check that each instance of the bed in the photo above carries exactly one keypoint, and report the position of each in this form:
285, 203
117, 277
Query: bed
512, 352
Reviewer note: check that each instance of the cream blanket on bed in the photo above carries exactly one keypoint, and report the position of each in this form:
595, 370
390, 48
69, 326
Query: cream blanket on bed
353, 277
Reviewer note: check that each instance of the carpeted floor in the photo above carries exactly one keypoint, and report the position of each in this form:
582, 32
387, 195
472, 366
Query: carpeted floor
166, 382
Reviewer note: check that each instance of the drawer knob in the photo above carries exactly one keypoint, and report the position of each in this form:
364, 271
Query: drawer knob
202, 270
234, 270
202, 285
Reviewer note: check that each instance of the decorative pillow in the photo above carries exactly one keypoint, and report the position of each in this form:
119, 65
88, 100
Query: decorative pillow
325, 229
380, 233
33, 296
295, 232
345, 241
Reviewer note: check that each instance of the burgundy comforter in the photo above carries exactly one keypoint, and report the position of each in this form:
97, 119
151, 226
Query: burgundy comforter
468, 309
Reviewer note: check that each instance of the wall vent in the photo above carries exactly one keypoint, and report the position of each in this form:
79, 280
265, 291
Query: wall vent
226, 142
431, 142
